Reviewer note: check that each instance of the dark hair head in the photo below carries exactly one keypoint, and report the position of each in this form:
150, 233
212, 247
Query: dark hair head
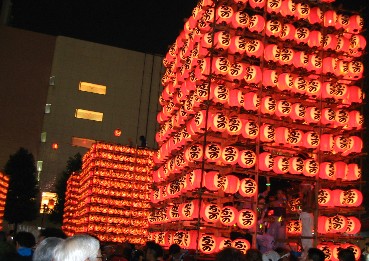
316, 254
156, 249
174, 249
253, 255
230, 254
52, 232
346, 254
25, 239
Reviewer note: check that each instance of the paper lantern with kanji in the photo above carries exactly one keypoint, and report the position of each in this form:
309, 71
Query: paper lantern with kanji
232, 185
288, 8
214, 181
302, 35
283, 108
355, 145
315, 39
274, 6
355, 249
328, 116
247, 159
314, 88
266, 161
224, 14
354, 172
267, 133
229, 155
338, 198
311, 139
327, 250
197, 124
329, 18
301, 59
281, 165
352, 197
356, 24
240, 19
238, 45
222, 40
357, 41
219, 93
211, 213
194, 153
250, 130
295, 137
298, 111
342, 68
323, 225
341, 169
326, 142
173, 212
257, 22
241, 244
268, 105
285, 82
224, 242
234, 125
246, 219
325, 198
296, 165
281, 135
286, 56
327, 171
302, 11
312, 115
341, 143
272, 53
316, 15
356, 120
252, 101
236, 98
193, 179
355, 70
248, 187
273, 28
228, 216
189, 210
253, 74
311, 168
353, 225
338, 223
207, 244
294, 227
254, 48
213, 152
218, 121
237, 71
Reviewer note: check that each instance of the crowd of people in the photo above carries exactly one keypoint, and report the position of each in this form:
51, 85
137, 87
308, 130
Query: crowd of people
53, 245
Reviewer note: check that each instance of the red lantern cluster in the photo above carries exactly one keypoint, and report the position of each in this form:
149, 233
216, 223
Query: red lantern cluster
110, 197
4, 184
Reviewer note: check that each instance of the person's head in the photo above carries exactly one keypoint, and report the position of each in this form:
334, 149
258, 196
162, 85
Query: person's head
253, 255
153, 251
346, 254
174, 250
24, 240
230, 254
261, 203
51, 232
367, 246
78, 248
315, 254
45, 251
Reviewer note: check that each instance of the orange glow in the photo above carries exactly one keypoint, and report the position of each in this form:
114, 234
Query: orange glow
55, 146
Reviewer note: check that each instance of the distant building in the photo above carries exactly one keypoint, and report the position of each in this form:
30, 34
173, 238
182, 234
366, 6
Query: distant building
59, 95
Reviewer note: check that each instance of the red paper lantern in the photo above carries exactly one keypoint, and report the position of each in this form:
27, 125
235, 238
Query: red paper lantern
250, 130
214, 181
273, 28
325, 198
341, 92
274, 6
285, 81
288, 8
236, 98
316, 15
211, 213
343, 44
247, 159
254, 48
240, 19
220, 93
288, 32
357, 42
257, 22
354, 172
323, 228
329, 42
341, 169
193, 179
326, 142
355, 249
257, 3
267, 133
252, 101
295, 137
268, 105
229, 155
228, 216
352, 198
207, 244
341, 117
356, 24
338, 223
315, 39
328, 116
234, 125
238, 45
224, 242
286, 56
241, 244
355, 94
270, 78
315, 63
222, 40
302, 35
232, 185
312, 115
302, 11
266, 161
173, 212
327, 171
311, 168
281, 135
356, 120
189, 210
355, 69
341, 143
301, 59
248, 187
342, 68
338, 198
218, 122
281, 165
296, 165
283, 108
224, 14
311, 140
353, 225
299, 85
272, 52
342, 21
194, 153
330, 18
253, 74
213, 152
246, 219
237, 71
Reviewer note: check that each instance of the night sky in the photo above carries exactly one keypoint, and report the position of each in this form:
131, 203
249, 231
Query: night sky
146, 25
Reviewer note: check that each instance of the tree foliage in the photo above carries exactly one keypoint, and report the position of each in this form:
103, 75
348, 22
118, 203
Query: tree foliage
21, 202
73, 164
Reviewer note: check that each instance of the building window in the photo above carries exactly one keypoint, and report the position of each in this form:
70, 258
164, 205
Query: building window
91, 87
43, 136
48, 108
89, 115
82, 142
39, 165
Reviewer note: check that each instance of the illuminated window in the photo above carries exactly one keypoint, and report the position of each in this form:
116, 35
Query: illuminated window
39, 165
89, 115
82, 142
43, 136
48, 200
48, 108
91, 87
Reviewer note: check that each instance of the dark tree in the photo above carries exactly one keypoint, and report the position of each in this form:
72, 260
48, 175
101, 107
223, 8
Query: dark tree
21, 201
73, 164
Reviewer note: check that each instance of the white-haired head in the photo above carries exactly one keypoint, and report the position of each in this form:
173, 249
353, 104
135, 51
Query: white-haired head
45, 250
78, 248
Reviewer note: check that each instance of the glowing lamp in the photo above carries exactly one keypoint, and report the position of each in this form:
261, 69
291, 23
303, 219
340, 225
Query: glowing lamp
268, 105
221, 65
272, 52
299, 85
315, 63
353, 225
273, 28
315, 39
325, 197
342, 21
193, 179
246, 219
281, 165
352, 198
328, 116
341, 169
247, 159
356, 24
213, 152
224, 14
241, 244
240, 19
338, 198
342, 68
341, 117
316, 15
254, 48
283, 108
229, 155
211, 213
302, 35
214, 181
355, 94
55, 146
252, 101
329, 18
288, 32
266, 161
311, 168
207, 244
330, 42
232, 185
288, 8
343, 44
220, 93
354, 172
301, 59
248, 187
281, 135
194, 153
312, 115
224, 242
236, 98
286, 56
341, 143
257, 22
296, 165
228, 216
253, 74
237, 71
355, 69
218, 122
338, 223
189, 210
311, 139
302, 11
285, 81
341, 92
270, 78
250, 130
323, 228
274, 6
238, 45
267, 133
222, 40
357, 42
327, 171
326, 142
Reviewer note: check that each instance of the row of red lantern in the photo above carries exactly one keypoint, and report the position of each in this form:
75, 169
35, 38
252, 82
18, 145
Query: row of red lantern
112, 228
338, 224
119, 193
117, 156
340, 198
121, 148
111, 183
103, 237
116, 203
331, 250
125, 175
101, 163
97, 219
